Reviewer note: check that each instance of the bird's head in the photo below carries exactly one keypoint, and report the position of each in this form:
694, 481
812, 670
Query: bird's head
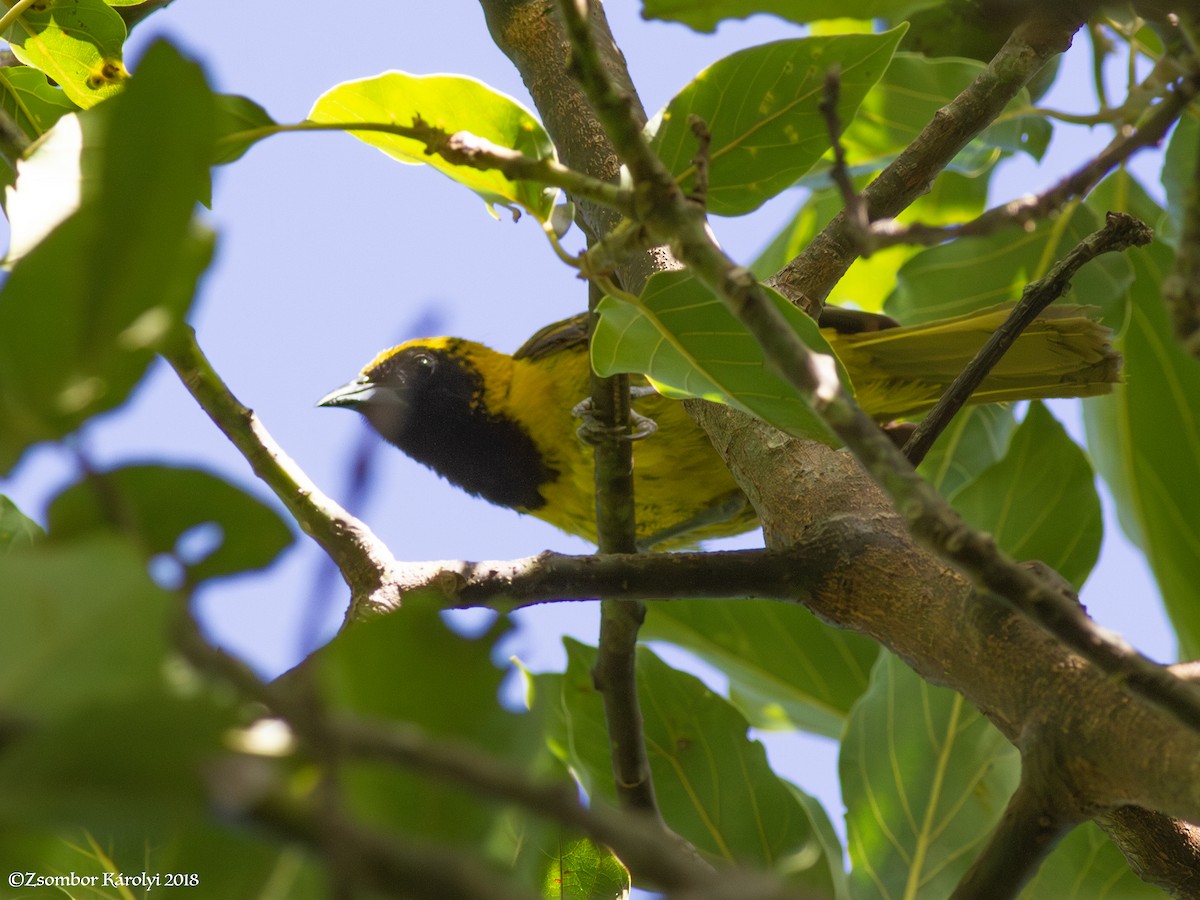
443, 401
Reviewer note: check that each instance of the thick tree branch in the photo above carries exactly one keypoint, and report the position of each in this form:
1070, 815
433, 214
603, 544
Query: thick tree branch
1120, 232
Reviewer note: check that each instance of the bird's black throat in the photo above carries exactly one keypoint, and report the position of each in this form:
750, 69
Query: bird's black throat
433, 410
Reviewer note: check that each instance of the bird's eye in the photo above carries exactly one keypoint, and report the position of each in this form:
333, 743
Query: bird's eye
424, 362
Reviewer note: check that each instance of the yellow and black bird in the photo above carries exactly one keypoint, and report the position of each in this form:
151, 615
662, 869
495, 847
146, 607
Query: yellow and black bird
501, 427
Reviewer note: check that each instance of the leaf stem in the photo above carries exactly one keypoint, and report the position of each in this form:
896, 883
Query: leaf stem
14, 12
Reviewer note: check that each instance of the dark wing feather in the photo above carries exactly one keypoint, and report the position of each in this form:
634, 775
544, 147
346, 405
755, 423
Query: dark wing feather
569, 334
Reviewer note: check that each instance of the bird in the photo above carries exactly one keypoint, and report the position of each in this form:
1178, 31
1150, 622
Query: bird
500, 426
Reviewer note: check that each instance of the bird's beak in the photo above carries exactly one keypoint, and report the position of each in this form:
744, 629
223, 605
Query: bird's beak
350, 396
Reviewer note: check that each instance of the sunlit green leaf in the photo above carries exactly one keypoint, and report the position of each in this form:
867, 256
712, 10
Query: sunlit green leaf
972, 273
1040, 500
761, 108
162, 505
77, 43
714, 785
924, 778
583, 870
703, 15
75, 338
452, 103
786, 668
688, 342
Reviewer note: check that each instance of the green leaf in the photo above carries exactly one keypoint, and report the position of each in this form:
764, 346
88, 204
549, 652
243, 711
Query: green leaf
77, 43
1084, 866
162, 504
238, 122
1145, 459
975, 439
66, 637
97, 732
82, 313
786, 668
924, 778
1040, 501
17, 531
31, 101
972, 273
453, 103
714, 785
953, 198
906, 99
583, 870
690, 345
761, 108
1179, 173
703, 15
398, 668
1145, 440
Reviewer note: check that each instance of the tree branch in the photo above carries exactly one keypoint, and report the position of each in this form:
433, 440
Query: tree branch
808, 278
462, 148
1120, 232
365, 563
1026, 210
1046, 805
615, 672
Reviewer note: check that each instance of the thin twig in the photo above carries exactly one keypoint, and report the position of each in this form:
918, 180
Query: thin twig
639, 840
856, 206
808, 278
1120, 232
615, 671
465, 149
699, 191
1025, 211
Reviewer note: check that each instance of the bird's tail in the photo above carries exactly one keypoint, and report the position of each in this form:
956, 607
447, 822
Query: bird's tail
903, 371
